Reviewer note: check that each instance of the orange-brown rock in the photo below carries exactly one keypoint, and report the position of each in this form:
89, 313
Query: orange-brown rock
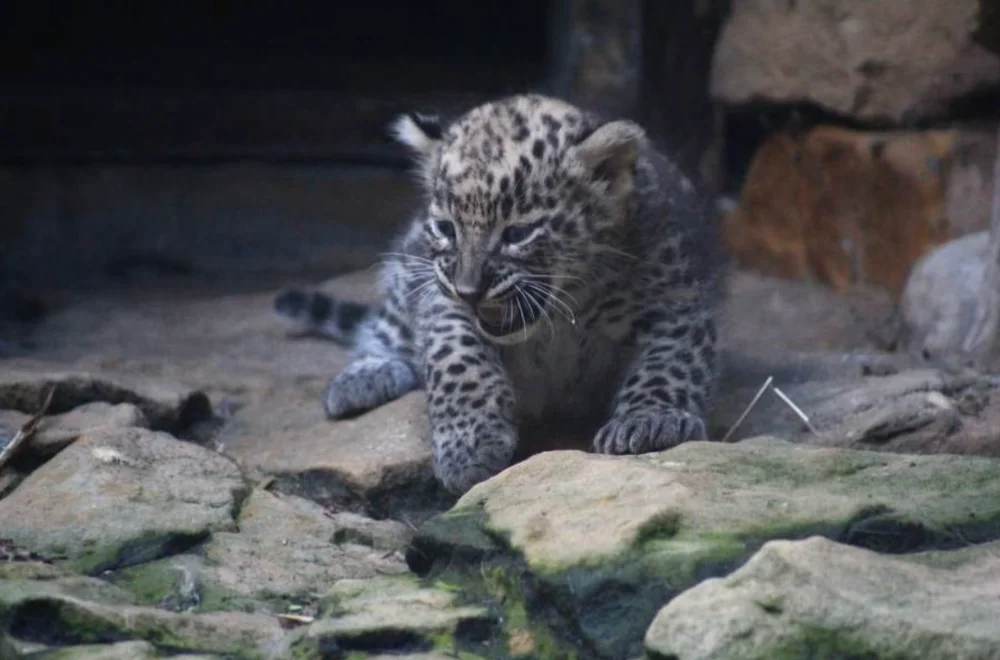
849, 207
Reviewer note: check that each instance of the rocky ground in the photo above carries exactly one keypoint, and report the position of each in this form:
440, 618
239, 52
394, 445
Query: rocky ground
185, 497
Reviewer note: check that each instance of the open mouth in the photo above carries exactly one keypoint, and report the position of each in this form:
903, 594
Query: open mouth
513, 312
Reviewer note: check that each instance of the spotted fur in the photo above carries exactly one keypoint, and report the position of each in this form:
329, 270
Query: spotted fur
561, 268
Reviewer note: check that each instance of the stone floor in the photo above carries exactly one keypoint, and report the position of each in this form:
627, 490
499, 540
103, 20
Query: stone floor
187, 493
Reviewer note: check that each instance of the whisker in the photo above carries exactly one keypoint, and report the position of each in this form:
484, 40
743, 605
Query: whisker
530, 298
520, 309
552, 287
563, 309
420, 287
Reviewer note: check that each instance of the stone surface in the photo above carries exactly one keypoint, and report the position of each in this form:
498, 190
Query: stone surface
167, 406
289, 548
391, 615
817, 598
611, 539
347, 461
57, 431
122, 496
76, 610
851, 207
896, 61
119, 651
919, 410
276, 556
939, 302
770, 318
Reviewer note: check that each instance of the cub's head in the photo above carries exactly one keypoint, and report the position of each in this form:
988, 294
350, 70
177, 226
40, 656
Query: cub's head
524, 195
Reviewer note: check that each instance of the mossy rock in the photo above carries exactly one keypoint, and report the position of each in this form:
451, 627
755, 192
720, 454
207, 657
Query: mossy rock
392, 615
820, 599
75, 611
609, 540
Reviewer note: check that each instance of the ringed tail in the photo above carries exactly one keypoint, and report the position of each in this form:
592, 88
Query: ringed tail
318, 314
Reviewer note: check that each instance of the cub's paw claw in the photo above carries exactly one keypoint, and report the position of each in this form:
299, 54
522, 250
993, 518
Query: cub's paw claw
462, 460
644, 432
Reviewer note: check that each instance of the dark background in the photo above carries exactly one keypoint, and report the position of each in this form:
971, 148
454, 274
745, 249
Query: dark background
248, 139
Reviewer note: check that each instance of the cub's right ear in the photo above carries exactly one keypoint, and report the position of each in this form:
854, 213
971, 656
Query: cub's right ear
419, 132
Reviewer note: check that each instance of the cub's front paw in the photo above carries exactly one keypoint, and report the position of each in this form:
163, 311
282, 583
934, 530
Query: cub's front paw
643, 432
462, 459
365, 384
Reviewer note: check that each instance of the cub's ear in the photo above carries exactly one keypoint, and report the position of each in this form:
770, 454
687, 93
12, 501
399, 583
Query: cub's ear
609, 153
419, 132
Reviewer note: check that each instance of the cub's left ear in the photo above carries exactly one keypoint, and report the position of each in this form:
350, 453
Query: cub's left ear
419, 132
610, 153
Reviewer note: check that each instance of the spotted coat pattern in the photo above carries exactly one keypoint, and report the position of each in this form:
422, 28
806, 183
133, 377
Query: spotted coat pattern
561, 268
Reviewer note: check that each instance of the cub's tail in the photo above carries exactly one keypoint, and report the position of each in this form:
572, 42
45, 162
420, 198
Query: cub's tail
315, 313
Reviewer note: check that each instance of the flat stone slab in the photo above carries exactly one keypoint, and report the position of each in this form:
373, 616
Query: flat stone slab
355, 460
87, 611
167, 406
119, 497
613, 539
57, 431
391, 615
818, 598
119, 651
913, 410
290, 548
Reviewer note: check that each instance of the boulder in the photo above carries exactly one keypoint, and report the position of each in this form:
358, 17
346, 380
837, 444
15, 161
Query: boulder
818, 598
606, 541
118, 497
851, 208
894, 61
939, 303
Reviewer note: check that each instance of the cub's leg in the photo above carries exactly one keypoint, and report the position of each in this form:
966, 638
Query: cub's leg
470, 399
382, 369
666, 387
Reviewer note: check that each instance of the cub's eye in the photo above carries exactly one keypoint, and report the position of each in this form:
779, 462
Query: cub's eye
516, 234
446, 228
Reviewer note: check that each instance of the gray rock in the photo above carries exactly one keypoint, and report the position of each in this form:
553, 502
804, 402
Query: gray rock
817, 598
915, 410
610, 540
119, 497
119, 651
894, 61
73, 611
351, 461
165, 405
939, 302
57, 431
290, 548
392, 614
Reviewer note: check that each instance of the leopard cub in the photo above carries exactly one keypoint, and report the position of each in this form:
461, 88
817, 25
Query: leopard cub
560, 268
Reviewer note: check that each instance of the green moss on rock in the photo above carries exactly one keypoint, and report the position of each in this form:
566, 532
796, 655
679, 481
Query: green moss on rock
610, 540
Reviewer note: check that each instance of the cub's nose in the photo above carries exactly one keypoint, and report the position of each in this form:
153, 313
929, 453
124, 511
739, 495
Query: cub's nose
472, 296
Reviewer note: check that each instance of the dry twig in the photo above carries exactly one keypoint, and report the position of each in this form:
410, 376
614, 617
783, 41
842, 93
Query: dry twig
760, 393
769, 385
26, 431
